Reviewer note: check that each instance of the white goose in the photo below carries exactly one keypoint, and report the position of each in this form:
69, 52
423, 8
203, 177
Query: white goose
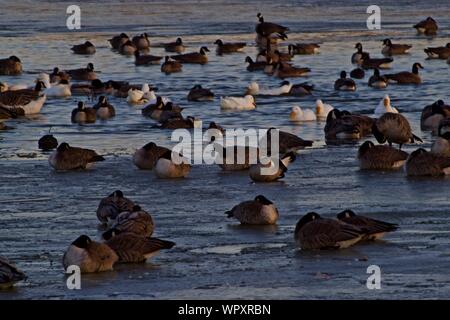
238, 103
136, 96
299, 115
62, 89
385, 106
322, 109
254, 89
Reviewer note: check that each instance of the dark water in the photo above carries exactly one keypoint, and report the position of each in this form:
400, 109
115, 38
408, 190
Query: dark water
43, 211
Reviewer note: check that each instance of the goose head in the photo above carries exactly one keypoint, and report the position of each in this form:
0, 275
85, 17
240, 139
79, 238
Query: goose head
203, 50
343, 75
178, 41
263, 200
307, 218
88, 44
364, 148
295, 113
219, 42
387, 42
359, 47
63, 147
415, 68
15, 59
82, 242
90, 66
149, 146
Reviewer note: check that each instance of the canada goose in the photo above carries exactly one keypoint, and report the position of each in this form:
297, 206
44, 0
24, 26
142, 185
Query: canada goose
384, 106
166, 167
375, 229
343, 125
104, 109
128, 48
85, 48
66, 157
145, 158
136, 221
121, 88
234, 157
165, 112
378, 81
145, 60
229, 47
301, 89
273, 56
287, 142
112, 205
433, 114
90, 89
255, 66
132, 248
424, 163
170, 66
267, 171
176, 46
390, 49
193, 57
57, 75
9, 274
238, 103
47, 142
438, 52
62, 89
303, 48
254, 89
83, 114
10, 66
344, 83
117, 41
393, 128
266, 29
180, 123
381, 157
372, 63
87, 73
428, 26
357, 73
299, 115
359, 55
441, 146
24, 101
314, 232
214, 126
260, 211
406, 77
10, 113
141, 42
90, 256
322, 109
198, 93
282, 71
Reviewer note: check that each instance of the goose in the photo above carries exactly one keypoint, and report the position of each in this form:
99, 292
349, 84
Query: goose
145, 158
145, 60
66, 157
372, 63
170, 66
359, 55
25, 101
112, 205
62, 89
141, 42
91, 89
393, 128
274, 56
89, 255
10, 66
301, 89
193, 57
216, 130
427, 27
259, 211
267, 29
238, 103
132, 248
104, 109
384, 106
128, 48
82, 114
47, 142
267, 171
357, 73
136, 221
9, 113
168, 115
235, 157
180, 123
303, 48
13, 87
438, 52
283, 71
176, 46
441, 146
117, 41
375, 229
85, 48
313, 232
344, 125
229, 47
9, 274
322, 109
287, 142
381, 157
299, 115
406, 77
57, 75
120, 88
136, 96
390, 49
87, 73
344, 83
165, 166
45, 79
424, 163
255, 66
198, 93
378, 81
254, 89
433, 114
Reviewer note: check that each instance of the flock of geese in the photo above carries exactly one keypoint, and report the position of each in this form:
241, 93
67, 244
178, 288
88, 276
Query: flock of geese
128, 228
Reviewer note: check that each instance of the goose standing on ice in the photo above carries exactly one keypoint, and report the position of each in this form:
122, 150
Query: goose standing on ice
393, 128
260, 211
